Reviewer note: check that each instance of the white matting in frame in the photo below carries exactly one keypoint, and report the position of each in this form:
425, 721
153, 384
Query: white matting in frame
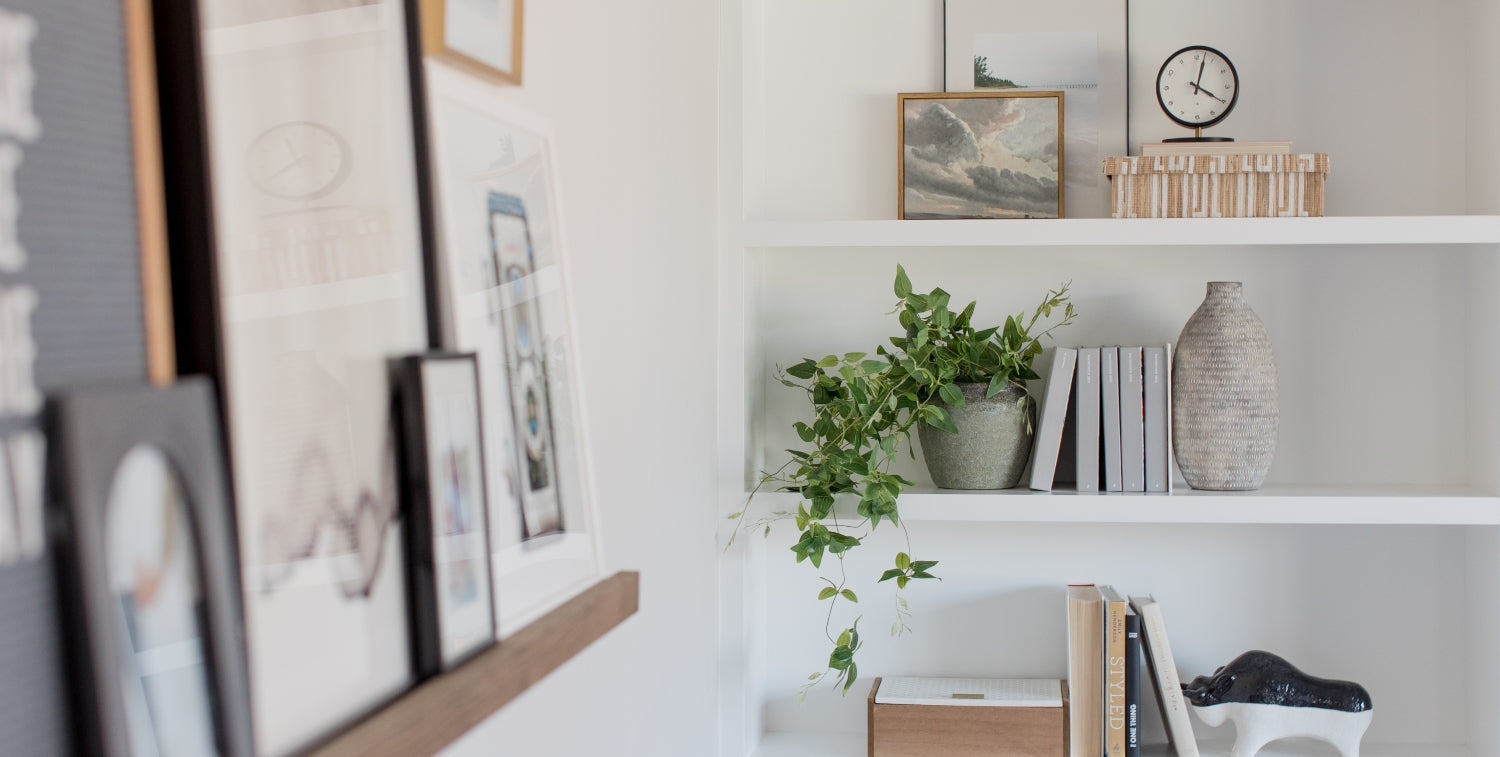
503, 294
1077, 46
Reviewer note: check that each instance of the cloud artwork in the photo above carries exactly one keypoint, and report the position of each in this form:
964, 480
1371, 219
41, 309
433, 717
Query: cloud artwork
983, 157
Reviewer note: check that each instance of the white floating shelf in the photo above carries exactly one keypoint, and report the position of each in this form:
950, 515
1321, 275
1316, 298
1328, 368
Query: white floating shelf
1281, 504
1112, 232
855, 745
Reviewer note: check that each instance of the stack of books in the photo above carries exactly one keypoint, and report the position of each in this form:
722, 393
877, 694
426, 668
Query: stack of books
1106, 636
1106, 417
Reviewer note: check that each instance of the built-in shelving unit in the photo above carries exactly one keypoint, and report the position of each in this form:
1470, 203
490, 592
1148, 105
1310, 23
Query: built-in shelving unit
1373, 552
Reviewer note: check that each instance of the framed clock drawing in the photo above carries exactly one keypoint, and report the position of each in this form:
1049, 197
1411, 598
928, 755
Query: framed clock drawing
294, 174
501, 274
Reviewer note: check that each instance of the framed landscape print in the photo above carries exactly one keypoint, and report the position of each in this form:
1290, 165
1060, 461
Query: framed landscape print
299, 186
452, 591
146, 556
1074, 46
480, 36
502, 276
981, 155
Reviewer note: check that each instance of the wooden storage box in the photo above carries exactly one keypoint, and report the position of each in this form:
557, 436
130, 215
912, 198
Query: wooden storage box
1217, 186
968, 717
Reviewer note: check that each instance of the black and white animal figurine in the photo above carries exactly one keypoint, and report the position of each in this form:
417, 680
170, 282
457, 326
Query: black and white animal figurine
1267, 698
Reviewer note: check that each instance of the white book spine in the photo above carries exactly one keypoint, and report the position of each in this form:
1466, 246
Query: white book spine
1086, 436
1164, 673
1048, 441
1132, 422
1109, 388
1156, 379
1170, 450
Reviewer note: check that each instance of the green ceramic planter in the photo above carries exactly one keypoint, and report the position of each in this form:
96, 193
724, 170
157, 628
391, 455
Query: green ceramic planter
991, 447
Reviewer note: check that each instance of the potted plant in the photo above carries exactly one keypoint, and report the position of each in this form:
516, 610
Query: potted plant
865, 408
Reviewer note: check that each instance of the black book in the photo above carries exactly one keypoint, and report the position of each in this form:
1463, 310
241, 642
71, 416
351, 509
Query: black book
1132, 683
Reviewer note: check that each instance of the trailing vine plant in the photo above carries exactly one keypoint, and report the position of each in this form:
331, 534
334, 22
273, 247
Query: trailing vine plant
864, 411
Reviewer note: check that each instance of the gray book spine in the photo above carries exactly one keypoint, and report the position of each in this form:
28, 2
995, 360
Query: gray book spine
1109, 389
1086, 436
1048, 441
1132, 421
1156, 419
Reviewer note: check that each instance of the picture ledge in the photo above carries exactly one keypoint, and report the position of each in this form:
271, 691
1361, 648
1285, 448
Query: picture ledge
436, 712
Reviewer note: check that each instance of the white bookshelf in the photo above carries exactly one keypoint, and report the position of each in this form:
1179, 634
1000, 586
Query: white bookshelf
1437, 231
1373, 552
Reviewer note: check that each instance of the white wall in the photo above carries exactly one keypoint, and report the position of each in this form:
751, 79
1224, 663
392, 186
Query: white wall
630, 91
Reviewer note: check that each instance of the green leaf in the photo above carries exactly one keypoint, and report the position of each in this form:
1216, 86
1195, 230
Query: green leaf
901, 582
828, 361
903, 560
733, 516
903, 284
997, 385
854, 357
873, 366
853, 674
892, 573
950, 393
849, 595
938, 418
803, 370
827, 592
804, 432
843, 642
923, 564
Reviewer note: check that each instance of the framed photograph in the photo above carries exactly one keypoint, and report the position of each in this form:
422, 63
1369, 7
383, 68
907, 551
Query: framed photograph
981, 155
448, 530
1074, 46
294, 182
501, 272
145, 552
480, 36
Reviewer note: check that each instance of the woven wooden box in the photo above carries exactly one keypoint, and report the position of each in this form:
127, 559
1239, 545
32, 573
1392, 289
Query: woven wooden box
1217, 186
965, 724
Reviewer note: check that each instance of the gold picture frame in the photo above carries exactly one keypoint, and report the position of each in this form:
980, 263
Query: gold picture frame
944, 171
486, 40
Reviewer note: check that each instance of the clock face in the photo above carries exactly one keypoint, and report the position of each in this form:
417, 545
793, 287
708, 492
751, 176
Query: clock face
1197, 86
298, 160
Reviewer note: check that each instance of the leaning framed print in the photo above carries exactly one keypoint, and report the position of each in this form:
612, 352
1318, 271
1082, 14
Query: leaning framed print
1075, 46
144, 551
501, 278
293, 179
980, 155
480, 36
448, 533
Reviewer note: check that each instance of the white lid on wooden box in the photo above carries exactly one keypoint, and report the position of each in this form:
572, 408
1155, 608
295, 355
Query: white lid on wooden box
971, 692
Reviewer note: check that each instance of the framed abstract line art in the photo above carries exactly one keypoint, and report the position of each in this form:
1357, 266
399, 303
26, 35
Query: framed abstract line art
503, 296
1075, 46
145, 552
298, 183
981, 155
480, 36
448, 530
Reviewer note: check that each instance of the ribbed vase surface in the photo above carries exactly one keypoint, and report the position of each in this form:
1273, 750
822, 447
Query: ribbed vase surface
1225, 406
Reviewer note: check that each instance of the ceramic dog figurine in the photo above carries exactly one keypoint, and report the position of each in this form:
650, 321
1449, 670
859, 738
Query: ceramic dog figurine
1269, 699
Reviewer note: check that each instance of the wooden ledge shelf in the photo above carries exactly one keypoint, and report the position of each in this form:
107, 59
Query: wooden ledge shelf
439, 710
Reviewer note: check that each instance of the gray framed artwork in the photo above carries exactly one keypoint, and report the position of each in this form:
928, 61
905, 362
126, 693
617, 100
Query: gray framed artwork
1074, 46
145, 551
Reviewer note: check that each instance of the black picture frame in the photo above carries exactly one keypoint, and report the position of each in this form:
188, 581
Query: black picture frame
448, 549
93, 433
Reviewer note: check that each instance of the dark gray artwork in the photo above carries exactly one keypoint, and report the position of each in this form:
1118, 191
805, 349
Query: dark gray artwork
70, 305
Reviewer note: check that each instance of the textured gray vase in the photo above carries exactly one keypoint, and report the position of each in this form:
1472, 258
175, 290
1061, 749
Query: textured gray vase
1225, 407
992, 444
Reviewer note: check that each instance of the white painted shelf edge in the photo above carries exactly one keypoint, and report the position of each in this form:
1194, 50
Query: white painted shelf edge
855, 745
1112, 232
1285, 504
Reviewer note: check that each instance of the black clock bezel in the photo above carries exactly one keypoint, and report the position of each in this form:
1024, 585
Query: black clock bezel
1234, 98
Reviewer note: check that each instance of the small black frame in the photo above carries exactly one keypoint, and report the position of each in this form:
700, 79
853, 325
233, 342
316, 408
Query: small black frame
91, 432
420, 482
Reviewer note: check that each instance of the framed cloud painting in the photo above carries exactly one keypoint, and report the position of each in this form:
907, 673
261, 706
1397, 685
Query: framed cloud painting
981, 155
